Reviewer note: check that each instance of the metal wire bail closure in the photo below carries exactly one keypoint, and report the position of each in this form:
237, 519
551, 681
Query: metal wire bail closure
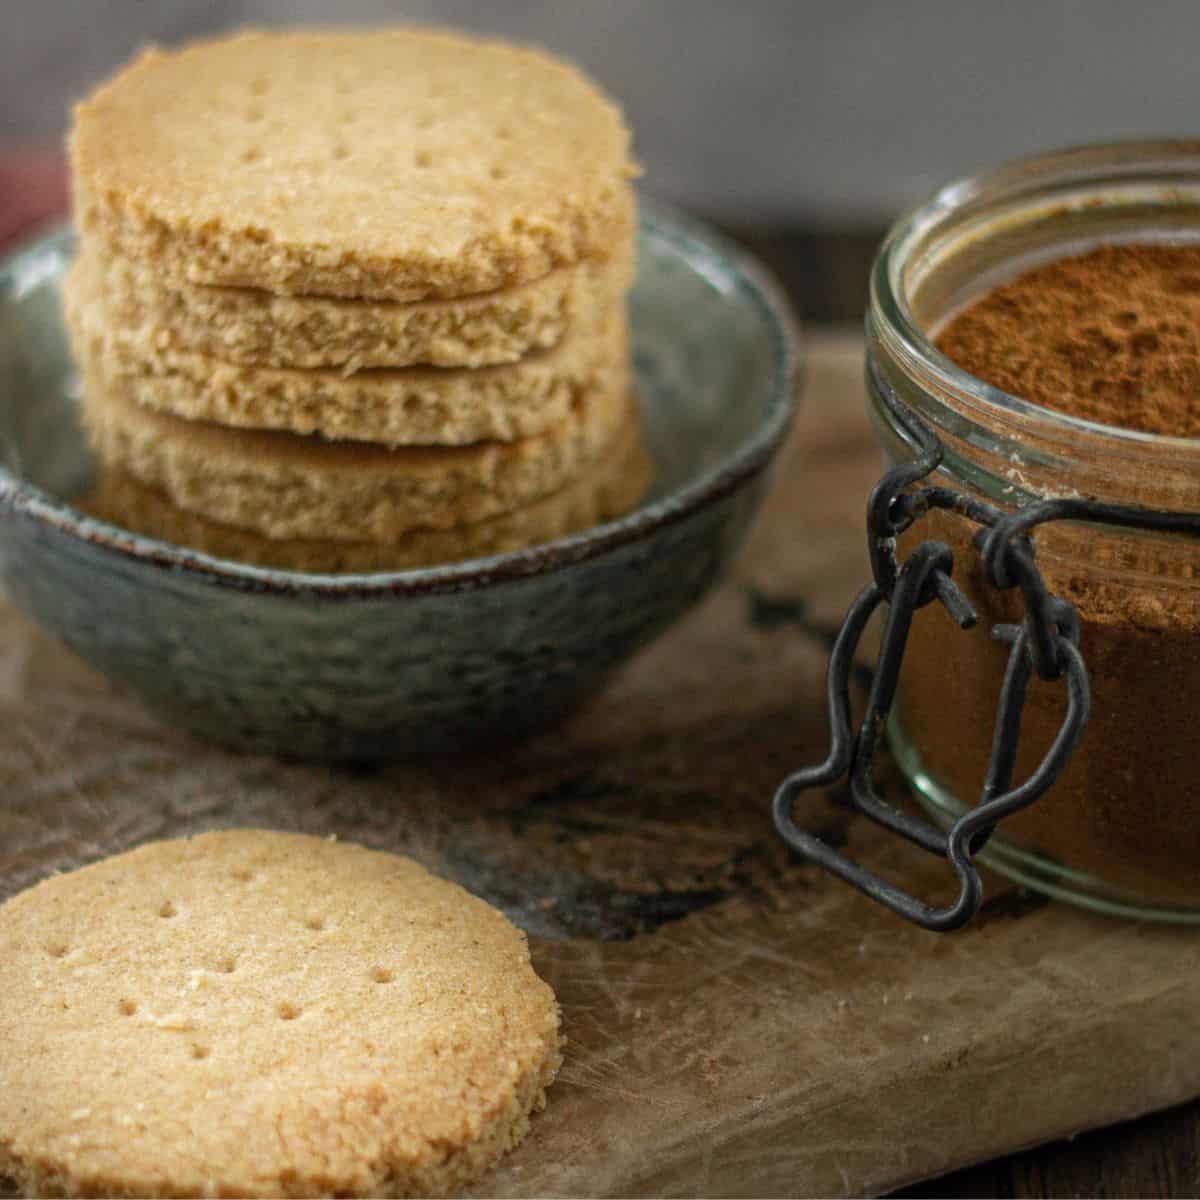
1046, 642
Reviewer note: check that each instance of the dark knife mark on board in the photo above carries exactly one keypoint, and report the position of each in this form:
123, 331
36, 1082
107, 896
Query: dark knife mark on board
559, 903
1010, 905
773, 612
770, 613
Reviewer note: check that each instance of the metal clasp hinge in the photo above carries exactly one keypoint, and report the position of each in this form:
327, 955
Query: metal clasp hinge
1046, 642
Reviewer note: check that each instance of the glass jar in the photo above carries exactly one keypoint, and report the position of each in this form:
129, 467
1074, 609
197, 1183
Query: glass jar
1120, 830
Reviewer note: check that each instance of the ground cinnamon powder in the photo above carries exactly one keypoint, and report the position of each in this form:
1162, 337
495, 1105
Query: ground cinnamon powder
1112, 335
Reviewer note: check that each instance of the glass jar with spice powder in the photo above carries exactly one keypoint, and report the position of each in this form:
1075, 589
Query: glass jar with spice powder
1043, 320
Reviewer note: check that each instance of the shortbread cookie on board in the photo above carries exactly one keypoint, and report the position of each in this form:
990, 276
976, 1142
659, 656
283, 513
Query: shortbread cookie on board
263, 1014
283, 485
606, 490
449, 406
390, 163
257, 328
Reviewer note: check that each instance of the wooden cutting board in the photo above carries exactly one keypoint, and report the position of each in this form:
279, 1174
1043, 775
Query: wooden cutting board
738, 1023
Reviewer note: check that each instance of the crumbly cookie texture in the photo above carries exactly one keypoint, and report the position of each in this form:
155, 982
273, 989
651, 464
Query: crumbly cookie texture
262, 1014
405, 406
392, 163
604, 491
257, 328
283, 485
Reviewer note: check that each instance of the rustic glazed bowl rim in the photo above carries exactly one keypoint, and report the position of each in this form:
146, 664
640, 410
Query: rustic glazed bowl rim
726, 265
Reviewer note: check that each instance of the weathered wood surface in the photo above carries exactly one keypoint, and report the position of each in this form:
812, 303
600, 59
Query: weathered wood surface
738, 1024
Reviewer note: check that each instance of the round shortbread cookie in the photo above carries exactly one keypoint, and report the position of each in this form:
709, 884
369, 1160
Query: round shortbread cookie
257, 328
423, 406
606, 490
391, 163
263, 1014
283, 485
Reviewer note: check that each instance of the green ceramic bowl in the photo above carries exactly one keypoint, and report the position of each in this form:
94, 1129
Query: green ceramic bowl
372, 667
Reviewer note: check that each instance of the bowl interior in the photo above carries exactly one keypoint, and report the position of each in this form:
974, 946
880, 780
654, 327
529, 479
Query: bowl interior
709, 343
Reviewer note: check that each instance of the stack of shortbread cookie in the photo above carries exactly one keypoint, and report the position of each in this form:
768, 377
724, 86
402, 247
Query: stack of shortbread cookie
351, 301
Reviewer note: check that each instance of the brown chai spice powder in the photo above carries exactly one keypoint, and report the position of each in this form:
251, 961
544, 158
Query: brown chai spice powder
1112, 335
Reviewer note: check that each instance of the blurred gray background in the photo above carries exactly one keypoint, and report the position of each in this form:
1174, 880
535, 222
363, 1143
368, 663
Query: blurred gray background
828, 112
819, 117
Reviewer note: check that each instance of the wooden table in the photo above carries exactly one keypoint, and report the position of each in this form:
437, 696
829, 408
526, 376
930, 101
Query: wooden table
1155, 1156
